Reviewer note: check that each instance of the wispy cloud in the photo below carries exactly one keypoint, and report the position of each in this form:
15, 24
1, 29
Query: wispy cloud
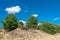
57, 18
14, 9
35, 15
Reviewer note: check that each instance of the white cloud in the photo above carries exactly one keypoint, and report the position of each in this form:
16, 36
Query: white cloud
57, 18
22, 21
39, 24
35, 15
14, 9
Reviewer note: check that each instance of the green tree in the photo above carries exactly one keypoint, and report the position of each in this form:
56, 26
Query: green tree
32, 22
10, 23
20, 24
49, 27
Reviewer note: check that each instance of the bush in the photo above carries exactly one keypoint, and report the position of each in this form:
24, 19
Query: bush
49, 27
20, 24
32, 22
10, 22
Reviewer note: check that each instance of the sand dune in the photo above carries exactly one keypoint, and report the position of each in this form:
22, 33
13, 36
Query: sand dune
19, 34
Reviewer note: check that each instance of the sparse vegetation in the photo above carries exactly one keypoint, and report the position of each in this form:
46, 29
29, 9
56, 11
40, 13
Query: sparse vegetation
10, 23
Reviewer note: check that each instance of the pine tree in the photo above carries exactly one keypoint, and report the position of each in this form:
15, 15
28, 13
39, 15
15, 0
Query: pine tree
10, 23
32, 22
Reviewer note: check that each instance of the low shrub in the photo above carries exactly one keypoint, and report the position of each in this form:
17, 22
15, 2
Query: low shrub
49, 27
20, 24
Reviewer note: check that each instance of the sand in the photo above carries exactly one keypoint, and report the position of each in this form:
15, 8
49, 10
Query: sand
19, 34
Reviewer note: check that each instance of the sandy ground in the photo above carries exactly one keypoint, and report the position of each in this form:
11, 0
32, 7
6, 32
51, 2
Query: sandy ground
19, 34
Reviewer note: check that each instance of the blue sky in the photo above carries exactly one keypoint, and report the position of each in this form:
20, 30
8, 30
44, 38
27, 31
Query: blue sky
45, 9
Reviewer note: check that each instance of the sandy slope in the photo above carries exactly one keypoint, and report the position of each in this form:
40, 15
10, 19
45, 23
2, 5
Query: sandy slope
19, 34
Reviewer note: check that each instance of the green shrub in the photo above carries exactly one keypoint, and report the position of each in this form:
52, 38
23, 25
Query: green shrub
49, 27
32, 22
20, 24
10, 23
